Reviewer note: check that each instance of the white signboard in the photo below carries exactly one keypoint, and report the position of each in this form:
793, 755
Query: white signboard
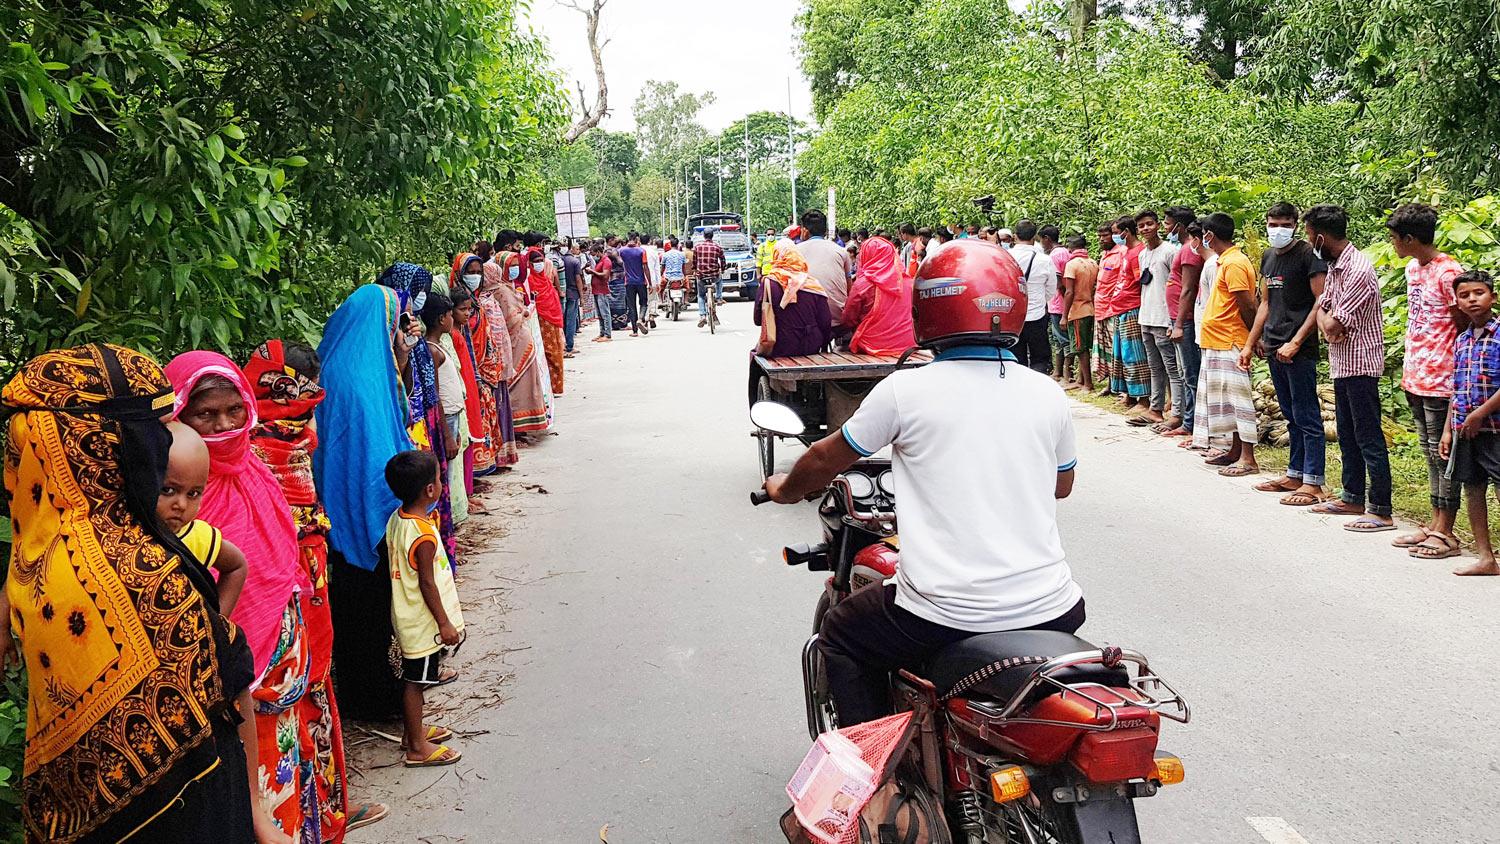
832, 211
572, 211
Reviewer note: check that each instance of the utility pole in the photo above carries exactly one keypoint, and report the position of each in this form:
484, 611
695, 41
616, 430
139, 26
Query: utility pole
791, 147
700, 184
719, 165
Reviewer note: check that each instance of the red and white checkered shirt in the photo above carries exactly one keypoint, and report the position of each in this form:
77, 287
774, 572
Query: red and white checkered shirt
708, 259
1352, 296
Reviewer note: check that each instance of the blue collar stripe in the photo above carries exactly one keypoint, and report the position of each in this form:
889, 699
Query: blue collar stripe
974, 353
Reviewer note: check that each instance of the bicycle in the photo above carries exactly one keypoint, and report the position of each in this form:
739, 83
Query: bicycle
706, 289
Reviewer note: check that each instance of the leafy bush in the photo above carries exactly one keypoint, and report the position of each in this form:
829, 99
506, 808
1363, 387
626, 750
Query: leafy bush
12, 746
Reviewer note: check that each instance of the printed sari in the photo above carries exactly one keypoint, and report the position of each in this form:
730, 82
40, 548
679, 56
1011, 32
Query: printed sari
530, 394
549, 314
496, 369
412, 284
245, 502
130, 668
285, 400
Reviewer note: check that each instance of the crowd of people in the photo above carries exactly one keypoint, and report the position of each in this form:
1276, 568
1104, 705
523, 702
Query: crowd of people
189, 539
1168, 314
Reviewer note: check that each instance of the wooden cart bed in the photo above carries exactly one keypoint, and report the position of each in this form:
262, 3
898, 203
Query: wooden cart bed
834, 366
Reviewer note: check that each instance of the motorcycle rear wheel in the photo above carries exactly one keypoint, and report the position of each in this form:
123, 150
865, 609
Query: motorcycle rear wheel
824, 716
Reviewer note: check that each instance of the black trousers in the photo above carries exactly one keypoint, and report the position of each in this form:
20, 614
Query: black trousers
867, 636
636, 298
1035, 348
1356, 404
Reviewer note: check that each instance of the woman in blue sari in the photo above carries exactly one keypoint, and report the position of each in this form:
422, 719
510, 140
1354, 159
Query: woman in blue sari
362, 423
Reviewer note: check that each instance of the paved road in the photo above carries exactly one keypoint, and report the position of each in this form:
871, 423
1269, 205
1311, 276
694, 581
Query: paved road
652, 634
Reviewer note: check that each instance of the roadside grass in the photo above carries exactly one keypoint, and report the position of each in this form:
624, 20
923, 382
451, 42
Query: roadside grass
1409, 496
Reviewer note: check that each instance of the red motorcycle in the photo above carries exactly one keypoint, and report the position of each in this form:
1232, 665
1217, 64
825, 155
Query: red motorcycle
1024, 737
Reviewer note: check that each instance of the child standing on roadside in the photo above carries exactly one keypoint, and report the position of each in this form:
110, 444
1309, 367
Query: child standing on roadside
1473, 429
424, 600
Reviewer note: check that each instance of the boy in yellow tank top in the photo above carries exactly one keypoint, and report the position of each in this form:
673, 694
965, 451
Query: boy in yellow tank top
424, 600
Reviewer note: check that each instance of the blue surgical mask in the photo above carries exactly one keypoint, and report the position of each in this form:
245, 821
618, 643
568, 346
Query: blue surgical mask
1119, 240
1174, 237
432, 508
419, 300
513, 273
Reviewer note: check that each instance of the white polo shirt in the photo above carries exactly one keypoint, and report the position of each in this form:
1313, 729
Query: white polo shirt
976, 458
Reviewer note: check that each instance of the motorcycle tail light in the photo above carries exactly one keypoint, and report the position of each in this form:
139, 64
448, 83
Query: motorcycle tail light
1169, 769
1009, 784
1117, 755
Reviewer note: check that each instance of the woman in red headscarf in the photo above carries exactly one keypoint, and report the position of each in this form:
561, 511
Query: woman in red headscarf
530, 386
879, 305
284, 380
245, 502
542, 290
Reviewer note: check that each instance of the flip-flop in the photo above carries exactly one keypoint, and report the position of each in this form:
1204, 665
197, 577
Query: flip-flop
1368, 524
444, 755
1437, 546
1411, 540
434, 733
1273, 487
1222, 458
1332, 508
1139, 421
446, 678
366, 814
1299, 499
1236, 471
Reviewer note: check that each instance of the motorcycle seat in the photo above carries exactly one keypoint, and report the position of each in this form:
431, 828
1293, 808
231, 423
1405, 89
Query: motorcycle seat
996, 665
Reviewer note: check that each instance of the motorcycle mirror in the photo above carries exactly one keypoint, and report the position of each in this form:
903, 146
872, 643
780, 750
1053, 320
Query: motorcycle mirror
776, 418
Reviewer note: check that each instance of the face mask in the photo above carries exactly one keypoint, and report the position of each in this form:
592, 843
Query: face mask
1278, 236
513, 273
1174, 237
1318, 249
1119, 239
432, 508
418, 301
536, 268
471, 280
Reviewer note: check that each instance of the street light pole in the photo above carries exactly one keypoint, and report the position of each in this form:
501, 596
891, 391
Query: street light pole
748, 226
791, 147
700, 184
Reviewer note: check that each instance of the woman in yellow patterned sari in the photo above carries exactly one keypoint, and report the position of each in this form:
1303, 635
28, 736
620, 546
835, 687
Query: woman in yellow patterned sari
131, 670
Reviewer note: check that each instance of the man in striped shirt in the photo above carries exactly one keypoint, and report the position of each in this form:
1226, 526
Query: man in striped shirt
1349, 316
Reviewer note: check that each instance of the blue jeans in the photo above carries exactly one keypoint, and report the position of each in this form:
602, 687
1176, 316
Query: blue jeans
570, 322
1356, 402
1296, 386
1189, 358
602, 307
703, 300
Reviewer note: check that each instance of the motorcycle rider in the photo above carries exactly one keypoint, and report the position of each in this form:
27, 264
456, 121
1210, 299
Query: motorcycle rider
981, 452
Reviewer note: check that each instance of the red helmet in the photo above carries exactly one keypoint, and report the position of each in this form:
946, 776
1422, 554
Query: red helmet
969, 291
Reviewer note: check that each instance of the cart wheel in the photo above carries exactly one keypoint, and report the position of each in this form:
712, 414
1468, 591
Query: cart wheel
767, 439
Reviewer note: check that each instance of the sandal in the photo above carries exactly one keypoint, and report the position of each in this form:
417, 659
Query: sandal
1300, 499
433, 733
1238, 471
1275, 486
1218, 458
366, 814
1368, 524
1335, 508
1411, 540
1437, 546
444, 755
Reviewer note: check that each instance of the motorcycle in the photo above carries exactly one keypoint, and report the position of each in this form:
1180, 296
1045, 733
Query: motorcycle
1021, 737
677, 295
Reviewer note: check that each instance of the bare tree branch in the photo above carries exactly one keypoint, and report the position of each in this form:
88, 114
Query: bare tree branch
590, 117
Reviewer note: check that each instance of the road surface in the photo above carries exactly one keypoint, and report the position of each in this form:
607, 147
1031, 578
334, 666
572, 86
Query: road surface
634, 638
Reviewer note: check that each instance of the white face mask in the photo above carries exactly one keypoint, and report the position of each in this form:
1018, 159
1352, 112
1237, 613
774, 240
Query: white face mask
418, 301
1279, 236
471, 280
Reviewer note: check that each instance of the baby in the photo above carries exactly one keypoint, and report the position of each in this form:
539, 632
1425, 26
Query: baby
177, 507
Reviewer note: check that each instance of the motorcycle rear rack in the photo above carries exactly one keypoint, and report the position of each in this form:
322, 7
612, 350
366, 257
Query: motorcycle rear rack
1156, 695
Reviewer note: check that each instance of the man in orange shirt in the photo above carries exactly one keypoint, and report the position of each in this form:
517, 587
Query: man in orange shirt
1225, 419
1079, 277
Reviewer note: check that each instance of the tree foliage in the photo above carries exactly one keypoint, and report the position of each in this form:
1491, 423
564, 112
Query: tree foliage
211, 172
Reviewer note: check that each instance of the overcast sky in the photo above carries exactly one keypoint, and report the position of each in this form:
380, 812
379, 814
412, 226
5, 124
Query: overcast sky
741, 51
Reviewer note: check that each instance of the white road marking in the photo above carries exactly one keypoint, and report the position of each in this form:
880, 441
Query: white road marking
1276, 831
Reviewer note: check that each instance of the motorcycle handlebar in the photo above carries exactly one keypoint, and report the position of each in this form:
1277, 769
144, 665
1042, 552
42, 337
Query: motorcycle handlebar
759, 497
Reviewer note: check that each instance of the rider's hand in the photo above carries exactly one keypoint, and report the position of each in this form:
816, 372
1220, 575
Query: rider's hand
776, 488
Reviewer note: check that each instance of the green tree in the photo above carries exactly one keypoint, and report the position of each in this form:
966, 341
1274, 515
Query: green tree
666, 119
